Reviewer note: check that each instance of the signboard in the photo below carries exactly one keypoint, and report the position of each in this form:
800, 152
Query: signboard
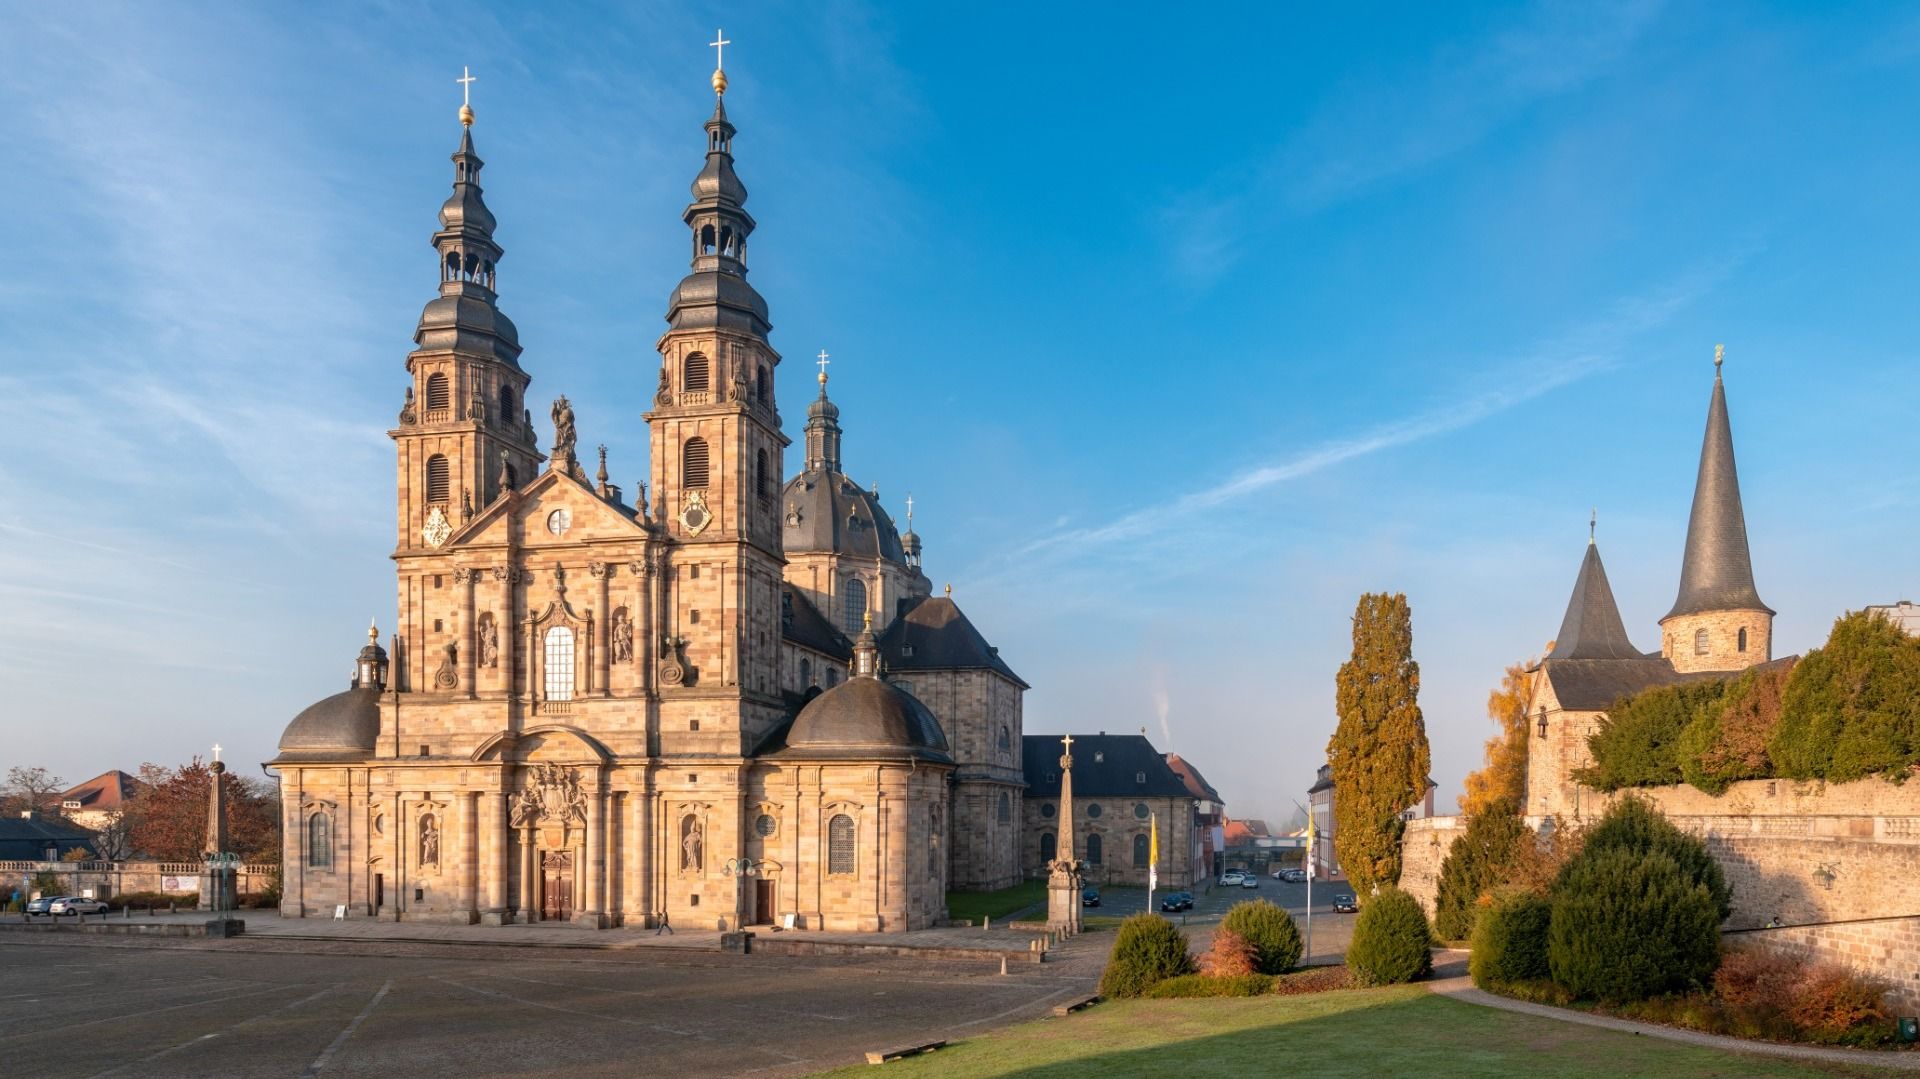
340, 912
180, 884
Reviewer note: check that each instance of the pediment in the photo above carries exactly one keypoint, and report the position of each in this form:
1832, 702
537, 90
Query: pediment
550, 743
529, 514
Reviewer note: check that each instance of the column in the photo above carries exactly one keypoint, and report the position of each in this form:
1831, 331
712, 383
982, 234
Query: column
494, 826
470, 854
469, 627
602, 573
529, 878
593, 902
647, 870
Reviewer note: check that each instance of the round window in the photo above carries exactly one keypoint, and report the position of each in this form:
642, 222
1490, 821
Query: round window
766, 825
1140, 810
1048, 810
1093, 810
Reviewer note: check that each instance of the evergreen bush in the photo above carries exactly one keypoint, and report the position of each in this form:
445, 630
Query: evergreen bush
1638, 743
1477, 861
1852, 706
1629, 924
1726, 740
1205, 985
1275, 939
1148, 950
1510, 940
1634, 824
1392, 941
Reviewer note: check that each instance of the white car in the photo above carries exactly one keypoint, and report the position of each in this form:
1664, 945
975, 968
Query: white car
1233, 878
72, 905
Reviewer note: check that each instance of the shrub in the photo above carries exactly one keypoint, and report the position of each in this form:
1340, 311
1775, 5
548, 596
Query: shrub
1852, 706
1313, 980
1628, 924
1477, 861
1205, 985
1634, 824
1510, 940
1392, 941
1834, 1004
1728, 741
143, 900
1231, 955
1637, 744
1275, 939
1149, 949
1757, 981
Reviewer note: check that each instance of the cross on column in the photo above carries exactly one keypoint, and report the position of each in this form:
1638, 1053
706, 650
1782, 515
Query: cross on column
719, 45
1067, 742
466, 81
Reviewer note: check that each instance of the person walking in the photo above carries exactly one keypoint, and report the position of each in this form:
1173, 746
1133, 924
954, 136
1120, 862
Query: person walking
666, 926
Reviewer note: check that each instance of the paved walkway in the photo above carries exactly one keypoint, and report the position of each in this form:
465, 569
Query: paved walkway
1460, 987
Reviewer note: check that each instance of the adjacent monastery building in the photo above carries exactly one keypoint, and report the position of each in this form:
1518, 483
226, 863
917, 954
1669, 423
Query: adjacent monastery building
736, 703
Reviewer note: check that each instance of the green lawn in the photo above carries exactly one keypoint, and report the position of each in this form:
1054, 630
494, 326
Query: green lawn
1404, 1030
978, 905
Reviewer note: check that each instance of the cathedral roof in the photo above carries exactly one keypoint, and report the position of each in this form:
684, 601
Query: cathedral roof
933, 634
803, 624
1592, 628
1104, 766
344, 726
827, 512
866, 718
1717, 573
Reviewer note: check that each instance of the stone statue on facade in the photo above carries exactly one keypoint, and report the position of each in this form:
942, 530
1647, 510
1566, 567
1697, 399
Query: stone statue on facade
552, 794
622, 637
564, 435
406, 410
489, 642
429, 842
691, 845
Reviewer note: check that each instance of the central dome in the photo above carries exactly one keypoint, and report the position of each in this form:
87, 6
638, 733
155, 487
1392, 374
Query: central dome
867, 715
827, 512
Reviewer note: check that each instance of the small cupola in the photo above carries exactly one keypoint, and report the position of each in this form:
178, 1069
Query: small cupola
370, 670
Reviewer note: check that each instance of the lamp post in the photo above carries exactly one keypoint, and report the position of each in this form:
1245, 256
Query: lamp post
740, 869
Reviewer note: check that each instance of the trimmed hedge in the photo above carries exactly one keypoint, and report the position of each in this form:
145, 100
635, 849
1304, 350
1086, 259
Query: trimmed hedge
1313, 980
1630, 924
1510, 940
1202, 985
1392, 941
1475, 863
1275, 939
1148, 950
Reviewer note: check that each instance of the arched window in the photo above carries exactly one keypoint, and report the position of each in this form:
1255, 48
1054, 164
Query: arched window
760, 474
1093, 848
840, 844
706, 246
762, 384
1699, 642
693, 463
438, 478
319, 841
506, 404
1006, 737
933, 842
559, 664
1139, 852
1006, 807
1743, 638
856, 594
833, 677
1049, 847
695, 374
439, 396
806, 672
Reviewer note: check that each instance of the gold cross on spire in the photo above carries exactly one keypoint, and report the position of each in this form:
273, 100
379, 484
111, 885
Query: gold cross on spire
1066, 743
719, 45
466, 81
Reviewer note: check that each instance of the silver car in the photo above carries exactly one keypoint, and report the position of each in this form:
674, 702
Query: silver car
76, 905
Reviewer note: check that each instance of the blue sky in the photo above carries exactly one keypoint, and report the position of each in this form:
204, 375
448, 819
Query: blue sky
1181, 333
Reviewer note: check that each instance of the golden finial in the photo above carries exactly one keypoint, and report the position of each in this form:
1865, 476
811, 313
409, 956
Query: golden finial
373, 632
466, 81
1719, 357
866, 620
719, 44
949, 591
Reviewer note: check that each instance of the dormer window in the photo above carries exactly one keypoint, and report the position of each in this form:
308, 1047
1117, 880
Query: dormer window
1139, 777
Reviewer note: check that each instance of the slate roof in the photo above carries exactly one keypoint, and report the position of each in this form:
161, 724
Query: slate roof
1594, 685
1104, 766
1717, 574
1592, 628
826, 511
24, 839
803, 624
933, 634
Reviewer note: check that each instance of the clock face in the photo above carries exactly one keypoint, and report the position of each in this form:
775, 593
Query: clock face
559, 520
437, 528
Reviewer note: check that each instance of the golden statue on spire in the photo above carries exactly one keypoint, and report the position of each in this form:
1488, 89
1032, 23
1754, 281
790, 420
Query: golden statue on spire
719, 44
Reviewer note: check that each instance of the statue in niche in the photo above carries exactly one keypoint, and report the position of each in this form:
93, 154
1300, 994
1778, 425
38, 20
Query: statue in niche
691, 843
406, 410
429, 842
563, 434
622, 637
489, 641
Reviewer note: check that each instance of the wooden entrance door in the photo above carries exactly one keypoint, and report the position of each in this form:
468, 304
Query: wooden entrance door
763, 902
556, 886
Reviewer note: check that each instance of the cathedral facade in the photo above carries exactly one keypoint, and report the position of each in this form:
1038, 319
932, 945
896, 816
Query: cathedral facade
734, 703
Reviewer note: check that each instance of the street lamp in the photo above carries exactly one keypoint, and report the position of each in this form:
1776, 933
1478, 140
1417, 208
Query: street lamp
740, 869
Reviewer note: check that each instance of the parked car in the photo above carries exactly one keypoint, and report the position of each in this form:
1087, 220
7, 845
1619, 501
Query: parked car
1177, 901
1232, 878
73, 905
40, 905
1293, 876
1090, 897
1251, 880
1344, 904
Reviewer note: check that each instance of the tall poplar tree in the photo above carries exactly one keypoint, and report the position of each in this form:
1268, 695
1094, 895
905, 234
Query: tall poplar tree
1379, 751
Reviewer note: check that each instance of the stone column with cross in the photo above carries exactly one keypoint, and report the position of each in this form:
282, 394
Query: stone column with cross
1064, 880
219, 883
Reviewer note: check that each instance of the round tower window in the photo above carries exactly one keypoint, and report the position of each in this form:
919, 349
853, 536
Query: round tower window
1093, 810
1048, 810
1140, 810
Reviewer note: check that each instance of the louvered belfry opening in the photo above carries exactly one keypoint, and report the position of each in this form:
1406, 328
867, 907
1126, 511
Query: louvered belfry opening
697, 375
438, 485
693, 463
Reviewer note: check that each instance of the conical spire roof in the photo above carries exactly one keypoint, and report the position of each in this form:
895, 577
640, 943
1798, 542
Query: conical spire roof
1592, 628
1717, 573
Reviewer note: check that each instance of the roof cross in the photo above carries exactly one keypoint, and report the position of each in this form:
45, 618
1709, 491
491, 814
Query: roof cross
821, 361
466, 81
909, 509
719, 45
1067, 743
216, 752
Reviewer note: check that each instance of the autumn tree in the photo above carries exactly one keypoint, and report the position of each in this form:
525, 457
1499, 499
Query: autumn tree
1504, 776
168, 822
31, 788
1378, 754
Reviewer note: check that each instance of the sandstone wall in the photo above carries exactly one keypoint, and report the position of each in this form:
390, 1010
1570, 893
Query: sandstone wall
1423, 846
1886, 948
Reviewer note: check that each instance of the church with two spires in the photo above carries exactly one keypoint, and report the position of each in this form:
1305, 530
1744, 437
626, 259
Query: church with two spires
726, 700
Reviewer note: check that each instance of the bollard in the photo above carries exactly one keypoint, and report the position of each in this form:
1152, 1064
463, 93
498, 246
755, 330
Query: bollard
987, 922
170, 909
1003, 966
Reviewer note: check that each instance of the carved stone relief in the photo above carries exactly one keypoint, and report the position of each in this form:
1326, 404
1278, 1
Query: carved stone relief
489, 635
552, 795
447, 675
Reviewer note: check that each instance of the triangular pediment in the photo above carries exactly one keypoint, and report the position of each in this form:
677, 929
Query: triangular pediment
530, 514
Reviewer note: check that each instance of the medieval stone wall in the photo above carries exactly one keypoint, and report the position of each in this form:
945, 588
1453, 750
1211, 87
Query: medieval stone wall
1423, 847
1885, 948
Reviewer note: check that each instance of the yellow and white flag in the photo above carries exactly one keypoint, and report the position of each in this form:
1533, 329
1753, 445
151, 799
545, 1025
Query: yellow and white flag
1153, 851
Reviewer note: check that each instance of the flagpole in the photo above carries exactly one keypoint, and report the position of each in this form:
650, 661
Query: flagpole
1153, 867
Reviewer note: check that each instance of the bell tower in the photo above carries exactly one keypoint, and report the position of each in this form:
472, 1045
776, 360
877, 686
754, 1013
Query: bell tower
716, 449
463, 431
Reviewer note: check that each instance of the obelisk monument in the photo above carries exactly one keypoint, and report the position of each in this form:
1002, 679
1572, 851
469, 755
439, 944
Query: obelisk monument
1063, 876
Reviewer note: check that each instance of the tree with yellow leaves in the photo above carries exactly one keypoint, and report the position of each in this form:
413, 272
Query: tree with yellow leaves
1504, 778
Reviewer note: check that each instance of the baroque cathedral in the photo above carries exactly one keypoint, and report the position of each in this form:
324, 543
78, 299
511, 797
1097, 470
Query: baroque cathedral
736, 702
